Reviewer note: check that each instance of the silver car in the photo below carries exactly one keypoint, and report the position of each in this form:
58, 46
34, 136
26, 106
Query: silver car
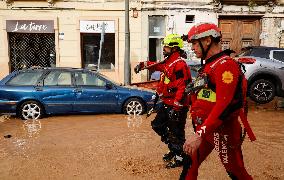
264, 68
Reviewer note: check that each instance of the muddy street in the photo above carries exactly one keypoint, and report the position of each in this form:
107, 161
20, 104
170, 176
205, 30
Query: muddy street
121, 147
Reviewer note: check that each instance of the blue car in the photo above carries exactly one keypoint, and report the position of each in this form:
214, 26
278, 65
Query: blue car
32, 93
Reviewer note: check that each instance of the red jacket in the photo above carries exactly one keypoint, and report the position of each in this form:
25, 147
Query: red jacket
209, 104
175, 77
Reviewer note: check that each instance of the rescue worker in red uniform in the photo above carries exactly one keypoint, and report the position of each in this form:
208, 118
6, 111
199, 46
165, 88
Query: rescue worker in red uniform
216, 105
170, 120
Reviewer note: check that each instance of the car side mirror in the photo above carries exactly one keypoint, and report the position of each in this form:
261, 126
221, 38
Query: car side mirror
109, 86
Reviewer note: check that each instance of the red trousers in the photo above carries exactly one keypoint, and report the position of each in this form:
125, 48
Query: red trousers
227, 141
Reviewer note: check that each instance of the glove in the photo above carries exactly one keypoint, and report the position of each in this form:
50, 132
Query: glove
173, 114
177, 106
139, 67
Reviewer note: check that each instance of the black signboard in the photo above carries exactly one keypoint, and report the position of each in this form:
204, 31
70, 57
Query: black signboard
30, 26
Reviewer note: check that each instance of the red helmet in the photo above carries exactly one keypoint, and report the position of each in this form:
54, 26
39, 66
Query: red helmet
203, 30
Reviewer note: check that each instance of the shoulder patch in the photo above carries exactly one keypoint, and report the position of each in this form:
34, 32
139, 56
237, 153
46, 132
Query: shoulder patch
179, 74
227, 77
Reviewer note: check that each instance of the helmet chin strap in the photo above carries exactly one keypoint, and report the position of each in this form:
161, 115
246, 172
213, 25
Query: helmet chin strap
204, 52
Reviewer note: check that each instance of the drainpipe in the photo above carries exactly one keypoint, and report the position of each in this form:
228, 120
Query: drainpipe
101, 44
127, 46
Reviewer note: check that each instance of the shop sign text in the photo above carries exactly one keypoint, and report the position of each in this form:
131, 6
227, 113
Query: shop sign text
97, 26
32, 26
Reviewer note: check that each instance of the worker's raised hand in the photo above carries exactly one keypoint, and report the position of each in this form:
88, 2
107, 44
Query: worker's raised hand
139, 67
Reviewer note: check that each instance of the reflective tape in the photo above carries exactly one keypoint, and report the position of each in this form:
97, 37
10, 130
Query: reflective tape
167, 80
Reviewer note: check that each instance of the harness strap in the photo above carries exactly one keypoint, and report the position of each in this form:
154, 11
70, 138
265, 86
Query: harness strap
247, 127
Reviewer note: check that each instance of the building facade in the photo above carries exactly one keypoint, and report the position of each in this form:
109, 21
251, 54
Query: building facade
65, 34
69, 33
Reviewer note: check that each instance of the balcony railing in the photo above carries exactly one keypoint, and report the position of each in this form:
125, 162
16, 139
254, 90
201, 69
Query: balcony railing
246, 2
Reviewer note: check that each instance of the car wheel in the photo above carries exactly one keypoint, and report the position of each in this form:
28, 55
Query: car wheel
262, 91
134, 106
30, 110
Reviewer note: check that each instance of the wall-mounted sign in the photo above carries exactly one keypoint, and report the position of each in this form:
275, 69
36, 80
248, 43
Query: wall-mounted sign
61, 36
30, 26
157, 29
96, 26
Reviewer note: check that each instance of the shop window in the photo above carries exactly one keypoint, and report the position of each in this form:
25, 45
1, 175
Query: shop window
91, 50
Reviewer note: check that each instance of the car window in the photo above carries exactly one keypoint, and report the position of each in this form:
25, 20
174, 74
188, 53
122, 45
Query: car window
244, 52
106, 78
25, 79
58, 78
278, 55
260, 52
87, 79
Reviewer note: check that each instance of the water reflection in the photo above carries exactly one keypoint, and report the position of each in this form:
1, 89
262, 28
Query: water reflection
18, 137
32, 127
134, 121
25, 140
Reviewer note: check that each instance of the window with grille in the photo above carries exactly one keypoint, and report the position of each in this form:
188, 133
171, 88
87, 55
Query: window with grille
31, 50
246, 43
226, 45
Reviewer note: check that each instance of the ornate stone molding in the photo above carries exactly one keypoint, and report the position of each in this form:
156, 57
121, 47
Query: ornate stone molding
50, 2
9, 2
270, 6
217, 6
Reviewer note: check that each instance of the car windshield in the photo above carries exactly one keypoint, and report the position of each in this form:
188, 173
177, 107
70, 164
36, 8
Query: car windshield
262, 52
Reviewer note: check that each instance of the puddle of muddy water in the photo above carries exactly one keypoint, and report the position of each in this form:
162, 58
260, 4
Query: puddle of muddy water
134, 121
19, 136
32, 128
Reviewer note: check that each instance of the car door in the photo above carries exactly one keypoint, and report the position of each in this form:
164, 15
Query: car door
278, 58
94, 93
58, 92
